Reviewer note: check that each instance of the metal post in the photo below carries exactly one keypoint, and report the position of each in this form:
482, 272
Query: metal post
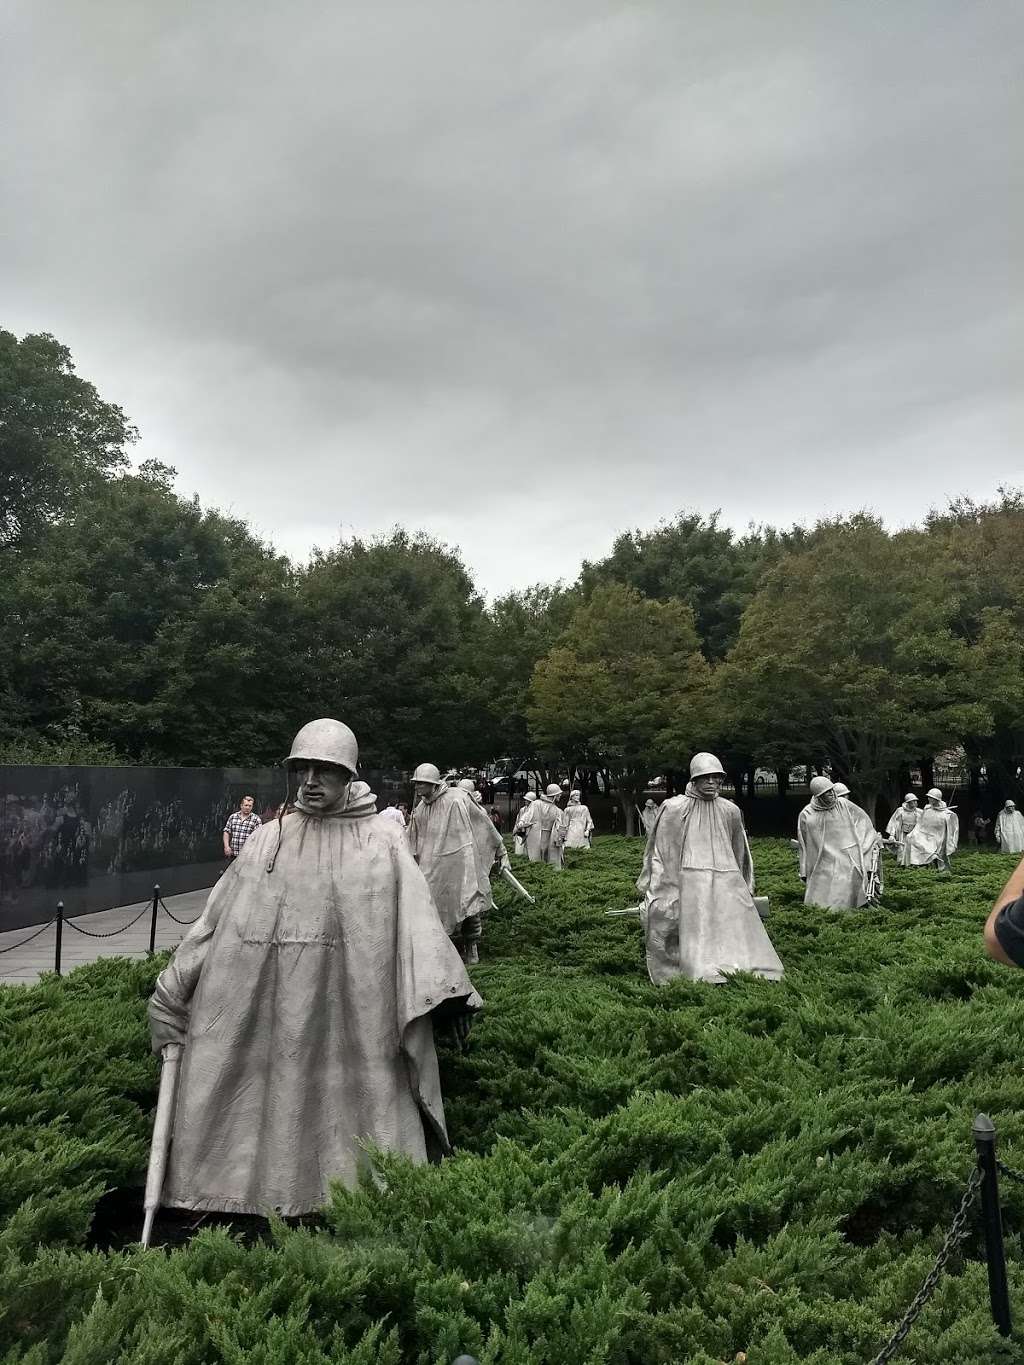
60, 935
991, 1214
465, 1360
152, 922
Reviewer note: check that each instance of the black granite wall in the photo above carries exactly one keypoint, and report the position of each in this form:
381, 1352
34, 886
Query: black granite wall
99, 837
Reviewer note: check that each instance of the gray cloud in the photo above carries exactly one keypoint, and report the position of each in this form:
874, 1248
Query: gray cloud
526, 275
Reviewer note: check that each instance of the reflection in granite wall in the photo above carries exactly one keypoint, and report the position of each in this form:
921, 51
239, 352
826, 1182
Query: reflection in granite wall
98, 837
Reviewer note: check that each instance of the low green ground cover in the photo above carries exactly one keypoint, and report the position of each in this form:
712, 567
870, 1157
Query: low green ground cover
643, 1176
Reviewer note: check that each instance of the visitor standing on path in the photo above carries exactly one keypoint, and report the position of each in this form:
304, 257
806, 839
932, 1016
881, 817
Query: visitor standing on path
241, 824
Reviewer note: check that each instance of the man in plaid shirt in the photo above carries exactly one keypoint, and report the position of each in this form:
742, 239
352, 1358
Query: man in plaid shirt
240, 825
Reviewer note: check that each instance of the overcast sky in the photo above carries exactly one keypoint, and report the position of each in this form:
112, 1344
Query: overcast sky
525, 275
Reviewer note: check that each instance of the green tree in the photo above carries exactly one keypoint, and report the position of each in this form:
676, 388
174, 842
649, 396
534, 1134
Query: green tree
624, 689
57, 436
980, 546
395, 630
846, 656
143, 623
697, 561
520, 628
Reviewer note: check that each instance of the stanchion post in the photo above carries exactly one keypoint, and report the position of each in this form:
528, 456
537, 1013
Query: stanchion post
152, 922
991, 1214
60, 936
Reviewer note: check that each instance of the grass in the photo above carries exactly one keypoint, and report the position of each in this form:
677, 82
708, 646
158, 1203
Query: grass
690, 1175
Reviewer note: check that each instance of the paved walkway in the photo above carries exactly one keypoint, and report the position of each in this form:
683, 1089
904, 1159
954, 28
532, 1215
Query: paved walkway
22, 966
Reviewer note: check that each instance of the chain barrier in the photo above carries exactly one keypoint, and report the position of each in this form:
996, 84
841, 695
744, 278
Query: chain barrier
1010, 1173
955, 1235
112, 933
93, 933
182, 922
35, 934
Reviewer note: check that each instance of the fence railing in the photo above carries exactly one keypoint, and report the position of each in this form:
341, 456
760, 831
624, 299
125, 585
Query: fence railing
59, 919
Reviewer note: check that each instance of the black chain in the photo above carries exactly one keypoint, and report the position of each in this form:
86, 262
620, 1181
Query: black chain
22, 941
182, 922
91, 933
954, 1237
1010, 1173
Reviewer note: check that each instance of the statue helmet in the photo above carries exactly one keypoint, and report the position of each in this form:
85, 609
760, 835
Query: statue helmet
467, 784
910, 797
821, 785
935, 792
841, 789
326, 741
704, 765
427, 772
530, 796
1011, 805
552, 789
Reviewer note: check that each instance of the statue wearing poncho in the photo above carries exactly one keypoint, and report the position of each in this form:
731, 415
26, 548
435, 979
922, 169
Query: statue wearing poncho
699, 916
522, 820
1010, 829
544, 828
456, 845
579, 823
305, 996
903, 820
935, 837
840, 851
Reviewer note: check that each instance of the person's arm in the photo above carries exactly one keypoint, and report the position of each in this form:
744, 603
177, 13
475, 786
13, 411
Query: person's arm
1012, 892
227, 844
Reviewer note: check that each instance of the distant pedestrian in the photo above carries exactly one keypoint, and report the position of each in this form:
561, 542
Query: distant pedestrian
241, 823
496, 820
979, 829
392, 813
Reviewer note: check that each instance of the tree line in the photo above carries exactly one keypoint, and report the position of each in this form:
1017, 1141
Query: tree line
138, 626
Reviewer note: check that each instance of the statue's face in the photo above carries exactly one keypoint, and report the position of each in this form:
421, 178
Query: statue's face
322, 786
424, 788
708, 785
829, 798
934, 802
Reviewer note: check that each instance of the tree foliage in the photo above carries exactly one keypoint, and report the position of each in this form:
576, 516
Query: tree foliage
146, 624
57, 436
393, 629
694, 560
847, 656
135, 624
624, 687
